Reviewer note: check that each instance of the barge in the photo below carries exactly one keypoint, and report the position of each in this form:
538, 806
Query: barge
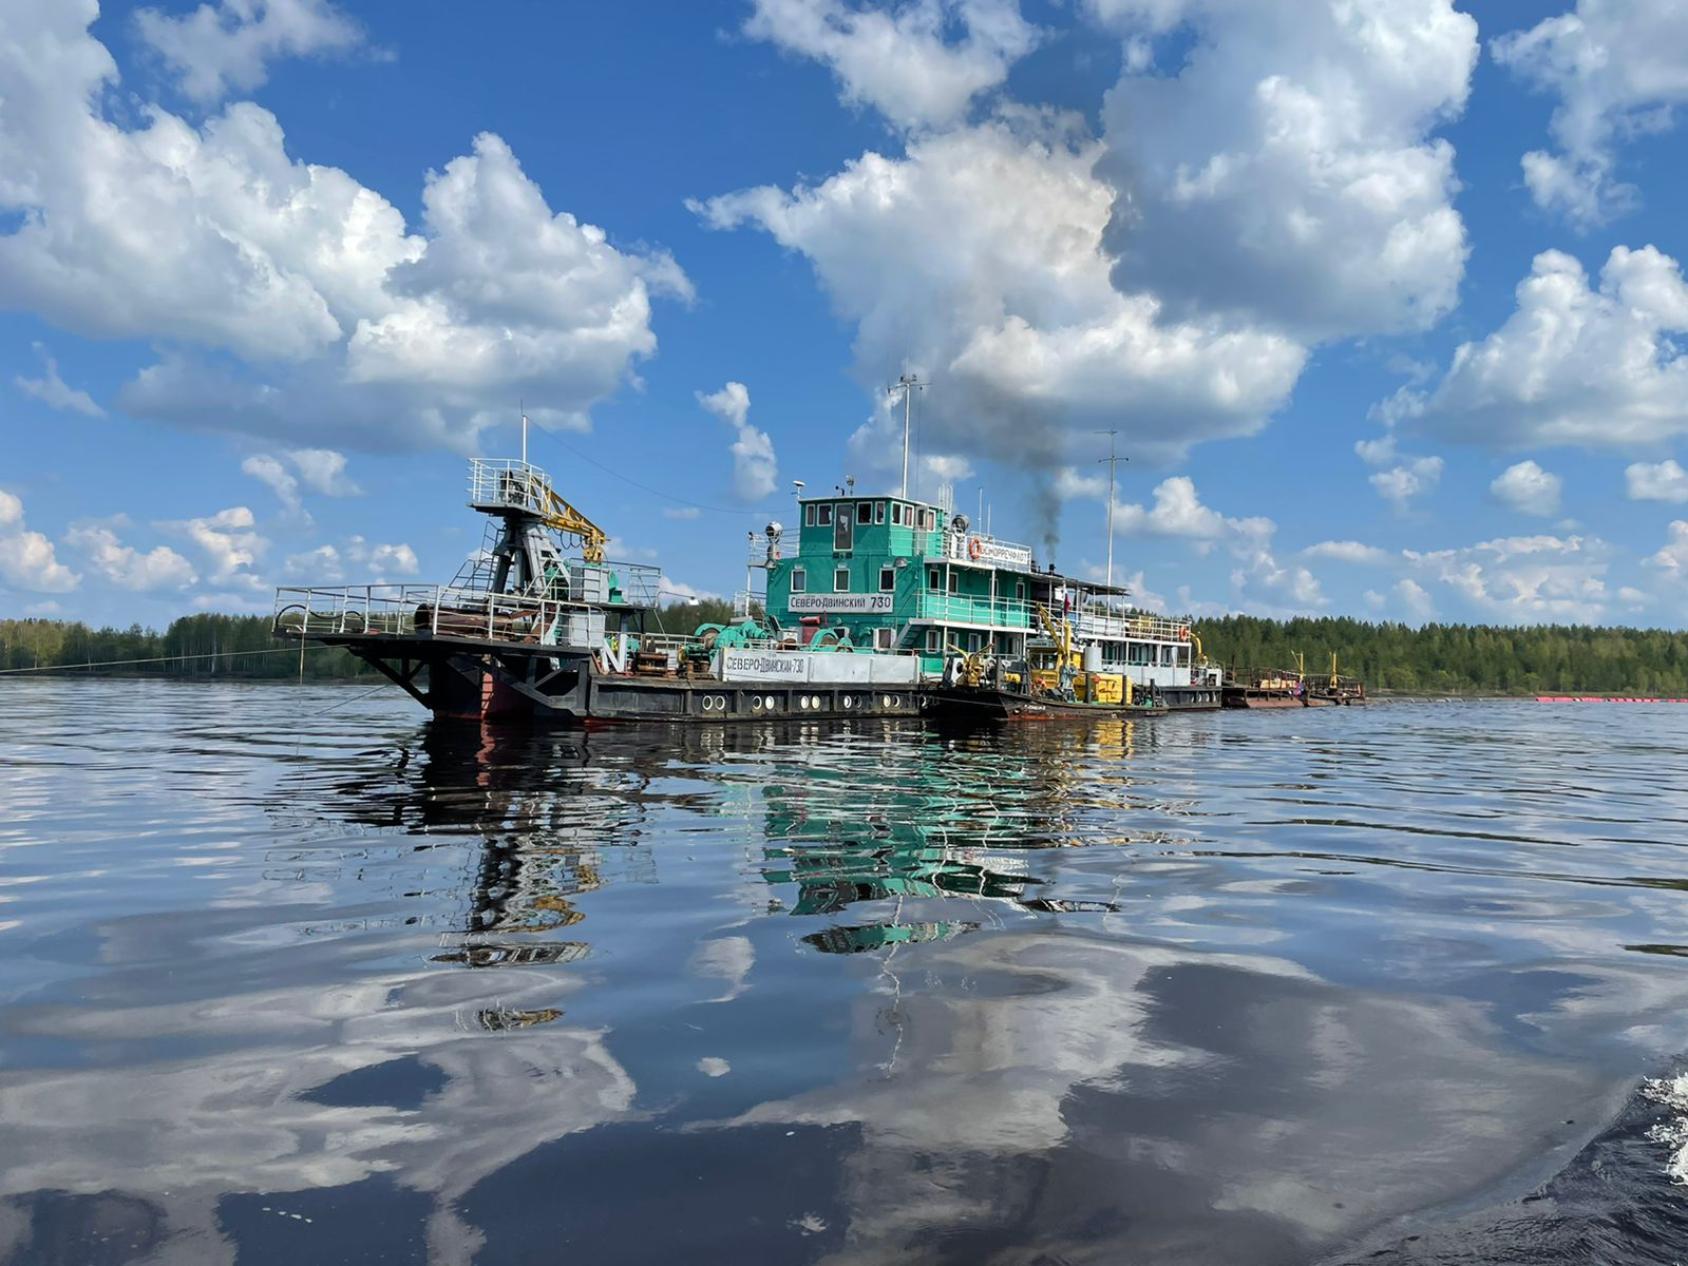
861, 619
1293, 688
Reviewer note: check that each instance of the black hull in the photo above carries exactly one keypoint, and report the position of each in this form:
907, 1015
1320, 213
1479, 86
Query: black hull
961, 705
468, 679
1190, 698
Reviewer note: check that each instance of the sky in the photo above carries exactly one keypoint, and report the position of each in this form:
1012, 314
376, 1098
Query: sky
1382, 299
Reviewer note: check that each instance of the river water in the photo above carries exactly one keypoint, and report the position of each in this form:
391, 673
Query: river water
289, 974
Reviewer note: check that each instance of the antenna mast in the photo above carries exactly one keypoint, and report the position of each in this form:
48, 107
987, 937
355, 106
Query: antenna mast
523, 407
908, 384
1112, 463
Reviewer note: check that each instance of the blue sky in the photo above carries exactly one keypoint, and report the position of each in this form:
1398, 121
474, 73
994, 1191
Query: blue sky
1383, 298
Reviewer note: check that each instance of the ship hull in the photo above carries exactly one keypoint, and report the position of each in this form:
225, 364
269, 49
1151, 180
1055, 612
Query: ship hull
968, 706
1190, 698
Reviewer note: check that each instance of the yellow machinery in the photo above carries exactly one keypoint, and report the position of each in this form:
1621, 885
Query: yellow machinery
563, 517
1068, 666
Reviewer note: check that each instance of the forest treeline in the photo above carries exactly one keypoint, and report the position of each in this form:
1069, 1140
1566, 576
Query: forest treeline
1437, 658
203, 645
1460, 658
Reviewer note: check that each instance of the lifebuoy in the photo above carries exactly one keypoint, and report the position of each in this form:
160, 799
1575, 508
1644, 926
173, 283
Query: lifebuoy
974, 549
1184, 633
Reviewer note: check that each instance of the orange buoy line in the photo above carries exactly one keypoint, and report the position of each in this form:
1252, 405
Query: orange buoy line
1606, 699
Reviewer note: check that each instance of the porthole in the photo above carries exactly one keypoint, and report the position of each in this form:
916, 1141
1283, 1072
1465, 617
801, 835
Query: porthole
768, 703
756, 703
708, 703
815, 702
848, 703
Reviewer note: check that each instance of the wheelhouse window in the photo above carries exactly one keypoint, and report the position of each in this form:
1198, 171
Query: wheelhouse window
887, 579
841, 580
864, 512
930, 522
799, 580
896, 514
823, 515
809, 515
879, 512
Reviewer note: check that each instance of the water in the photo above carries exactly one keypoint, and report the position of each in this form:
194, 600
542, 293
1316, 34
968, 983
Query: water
291, 975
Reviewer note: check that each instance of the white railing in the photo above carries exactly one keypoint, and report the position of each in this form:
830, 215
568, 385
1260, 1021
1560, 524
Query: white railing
1094, 624
508, 485
959, 548
955, 608
413, 610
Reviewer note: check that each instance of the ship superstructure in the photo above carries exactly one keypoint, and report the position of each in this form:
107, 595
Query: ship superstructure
527, 628
902, 575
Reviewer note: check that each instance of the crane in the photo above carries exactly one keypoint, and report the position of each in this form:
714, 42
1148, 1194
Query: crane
560, 516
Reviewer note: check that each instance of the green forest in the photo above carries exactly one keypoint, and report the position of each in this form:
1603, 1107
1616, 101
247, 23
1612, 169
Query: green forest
1434, 659
1460, 658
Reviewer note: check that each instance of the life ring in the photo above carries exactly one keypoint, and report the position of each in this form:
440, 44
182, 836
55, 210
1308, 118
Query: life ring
1184, 633
975, 548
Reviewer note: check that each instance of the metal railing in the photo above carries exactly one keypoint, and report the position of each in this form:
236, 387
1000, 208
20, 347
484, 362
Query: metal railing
640, 583
410, 610
1101, 624
938, 546
955, 608
1089, 623
506, 484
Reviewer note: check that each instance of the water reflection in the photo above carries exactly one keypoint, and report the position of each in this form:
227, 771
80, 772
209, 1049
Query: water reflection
1214, 989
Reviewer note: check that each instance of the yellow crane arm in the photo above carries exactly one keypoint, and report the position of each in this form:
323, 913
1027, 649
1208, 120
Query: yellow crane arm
560, 515
1062, 637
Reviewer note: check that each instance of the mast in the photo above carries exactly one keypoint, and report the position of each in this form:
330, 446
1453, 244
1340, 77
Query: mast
908, 384
1112, 462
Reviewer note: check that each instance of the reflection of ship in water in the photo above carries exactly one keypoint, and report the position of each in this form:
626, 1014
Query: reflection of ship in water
550, 829
937, 822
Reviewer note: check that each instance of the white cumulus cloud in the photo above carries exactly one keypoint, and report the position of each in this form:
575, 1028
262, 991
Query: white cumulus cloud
270, 472
978, 259
289, 299
27, 559
127, 567
1529, 489
230, 542
381, 560
1415, 600
1575, 364
1619, 68
1656, 481
320, 470
227, 46
1414, 478
1348, 552
1672, 558
1285, 167
755, 468
1524, 579
899, 58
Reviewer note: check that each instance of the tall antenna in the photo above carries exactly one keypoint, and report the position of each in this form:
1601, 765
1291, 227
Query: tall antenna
908, 384
1112, 462
523, 407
